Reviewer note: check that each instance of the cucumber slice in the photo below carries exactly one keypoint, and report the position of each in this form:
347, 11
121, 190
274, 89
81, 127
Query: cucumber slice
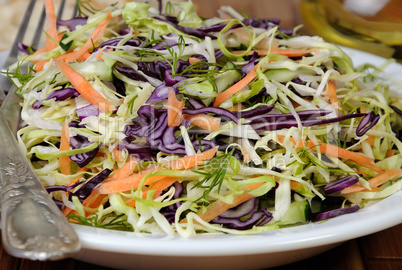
298, 212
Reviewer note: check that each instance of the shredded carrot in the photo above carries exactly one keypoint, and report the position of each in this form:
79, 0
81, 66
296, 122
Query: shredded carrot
285, 52
372, 167
331, 92
331, 150
53, 36
133, 181
159, 187
118, 155
64, 162
125, 170
295, 185
82, 53
219, 207
204, 121
174, 109
228, 93
83, 87
75, 180
236, 107
95, 36
193, 60
376, 181
370, 140
390, 153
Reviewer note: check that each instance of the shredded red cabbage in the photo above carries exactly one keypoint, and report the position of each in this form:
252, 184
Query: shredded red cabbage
334, 213
59, 95
339, 184
85, 190
71, 24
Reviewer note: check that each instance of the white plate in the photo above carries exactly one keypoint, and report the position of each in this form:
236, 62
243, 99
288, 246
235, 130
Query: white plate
126, 250
141, 251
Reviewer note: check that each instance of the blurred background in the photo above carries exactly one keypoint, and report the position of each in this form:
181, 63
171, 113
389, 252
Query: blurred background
370, 25
11, 12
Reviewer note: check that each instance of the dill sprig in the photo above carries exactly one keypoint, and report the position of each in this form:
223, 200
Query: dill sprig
85, 8
113, 222
214, 172
175, 55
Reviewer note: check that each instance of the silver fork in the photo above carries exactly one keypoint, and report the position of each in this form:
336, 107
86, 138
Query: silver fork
32, 225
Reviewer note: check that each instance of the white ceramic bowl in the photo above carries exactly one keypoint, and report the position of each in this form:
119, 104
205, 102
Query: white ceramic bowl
125, 250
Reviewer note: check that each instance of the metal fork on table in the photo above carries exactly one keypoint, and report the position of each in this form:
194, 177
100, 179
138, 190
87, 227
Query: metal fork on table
32, 225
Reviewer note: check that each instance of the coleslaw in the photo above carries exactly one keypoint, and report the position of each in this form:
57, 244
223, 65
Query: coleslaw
160, 121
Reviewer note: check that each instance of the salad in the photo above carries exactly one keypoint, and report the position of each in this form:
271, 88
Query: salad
160, 121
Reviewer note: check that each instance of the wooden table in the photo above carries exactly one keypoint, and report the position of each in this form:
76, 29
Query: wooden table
379, 251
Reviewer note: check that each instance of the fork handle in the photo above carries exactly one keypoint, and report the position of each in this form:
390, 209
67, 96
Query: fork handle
32, 225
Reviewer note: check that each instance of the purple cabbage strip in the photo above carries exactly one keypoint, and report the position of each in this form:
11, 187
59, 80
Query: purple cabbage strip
339, 184
286, 116
89, 110
188, 30
254, 112
238, 224
241, 210
131, 73
160, 93
79, 141
165, 43
268, 216
220, 112
113, 42
59, 95
85, 190
195, 103
398, 111
232, 217
23, 48
170, 211
306, 123
54, 188
334, 213
71, 24
367, 123
151, 124
246, 68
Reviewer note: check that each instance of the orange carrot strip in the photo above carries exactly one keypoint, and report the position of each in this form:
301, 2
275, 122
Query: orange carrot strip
95, 36
370, 140
83, 87
285, 52
193, 60
331, 150
118, 155
219, 207
125, 170
82, 53
228, 93
372, 167
53, 35
75, 180
390, 153
159, 187
376, 181
204, 121
174, 109
295, 185
331, 92
133, 181
64, 162
236, 107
